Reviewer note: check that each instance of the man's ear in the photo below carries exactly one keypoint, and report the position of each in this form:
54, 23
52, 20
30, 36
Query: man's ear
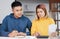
12, 10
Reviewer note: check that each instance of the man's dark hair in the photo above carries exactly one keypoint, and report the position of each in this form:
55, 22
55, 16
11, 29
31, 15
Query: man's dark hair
16, 3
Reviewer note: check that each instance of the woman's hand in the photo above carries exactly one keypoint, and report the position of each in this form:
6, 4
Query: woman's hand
36, 34
54, 34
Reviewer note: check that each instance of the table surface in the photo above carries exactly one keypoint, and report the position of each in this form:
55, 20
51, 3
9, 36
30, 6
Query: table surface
26, 37
19, 38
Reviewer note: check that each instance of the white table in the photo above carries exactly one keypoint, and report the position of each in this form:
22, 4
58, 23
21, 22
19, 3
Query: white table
26, 37
58, 37
19, 37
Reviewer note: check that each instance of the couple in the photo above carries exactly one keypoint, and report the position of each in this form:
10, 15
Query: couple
16, 23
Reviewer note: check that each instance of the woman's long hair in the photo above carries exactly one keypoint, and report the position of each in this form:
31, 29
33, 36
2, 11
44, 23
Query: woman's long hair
41, 6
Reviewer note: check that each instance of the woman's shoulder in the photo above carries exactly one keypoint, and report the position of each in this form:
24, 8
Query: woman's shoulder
49, 18
34, 20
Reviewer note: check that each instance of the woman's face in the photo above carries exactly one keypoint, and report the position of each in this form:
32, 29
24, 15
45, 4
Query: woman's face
40, 13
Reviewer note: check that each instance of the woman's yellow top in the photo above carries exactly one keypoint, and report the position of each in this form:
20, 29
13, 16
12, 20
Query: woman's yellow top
41, 26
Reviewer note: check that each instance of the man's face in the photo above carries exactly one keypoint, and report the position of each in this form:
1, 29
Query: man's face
17, 11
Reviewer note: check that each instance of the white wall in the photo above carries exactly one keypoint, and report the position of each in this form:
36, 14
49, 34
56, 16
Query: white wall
5, 8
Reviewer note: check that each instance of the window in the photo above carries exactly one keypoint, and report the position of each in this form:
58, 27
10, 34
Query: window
55, 8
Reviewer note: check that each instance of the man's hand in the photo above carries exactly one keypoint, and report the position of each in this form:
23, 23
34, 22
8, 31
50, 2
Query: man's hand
13, 33
21, 34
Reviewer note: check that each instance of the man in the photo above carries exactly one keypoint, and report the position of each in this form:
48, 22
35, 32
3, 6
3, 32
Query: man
16, 23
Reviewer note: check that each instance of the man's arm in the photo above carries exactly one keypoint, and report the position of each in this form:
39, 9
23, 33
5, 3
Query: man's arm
4, 28
29, 24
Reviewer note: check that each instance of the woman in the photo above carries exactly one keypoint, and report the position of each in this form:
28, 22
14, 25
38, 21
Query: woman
41, 23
